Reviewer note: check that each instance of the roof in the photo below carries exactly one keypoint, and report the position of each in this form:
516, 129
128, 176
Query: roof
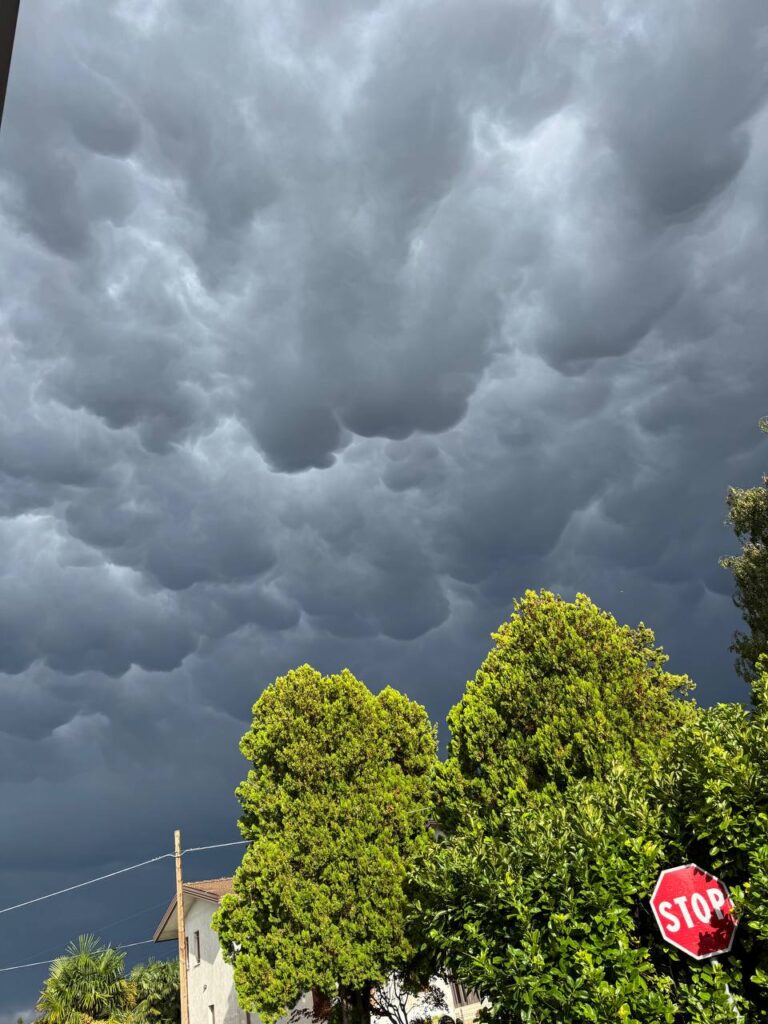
211, 889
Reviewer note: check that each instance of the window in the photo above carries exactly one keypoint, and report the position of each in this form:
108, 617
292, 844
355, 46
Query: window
462, 996
186, 949
211, 1015
197, 957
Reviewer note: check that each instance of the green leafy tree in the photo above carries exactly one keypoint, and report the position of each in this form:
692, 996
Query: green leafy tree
564, 691
574, 777
538, 904
156, 987
748, 515
715, 783
87, 984
336, 808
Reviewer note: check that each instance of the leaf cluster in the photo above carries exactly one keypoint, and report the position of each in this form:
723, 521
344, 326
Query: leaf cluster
156, 988
575, 775
335, 807
88, 983
540, 905
748, 516
564, 691
716, 783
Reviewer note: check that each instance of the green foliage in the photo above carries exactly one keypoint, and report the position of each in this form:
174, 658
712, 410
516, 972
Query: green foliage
538, 905
564, 691
87, 984
748, 515
716, 782
336, 807
588, 781
156, 987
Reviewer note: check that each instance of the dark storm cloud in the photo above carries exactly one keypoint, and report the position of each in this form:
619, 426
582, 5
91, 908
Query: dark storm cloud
686, 136
327, 329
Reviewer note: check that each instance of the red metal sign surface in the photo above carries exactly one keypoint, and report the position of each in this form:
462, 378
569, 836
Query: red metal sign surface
694, 912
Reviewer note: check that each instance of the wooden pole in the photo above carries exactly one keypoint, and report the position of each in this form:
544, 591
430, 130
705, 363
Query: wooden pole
183, 989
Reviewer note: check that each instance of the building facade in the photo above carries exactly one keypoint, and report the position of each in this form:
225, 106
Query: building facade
210, 980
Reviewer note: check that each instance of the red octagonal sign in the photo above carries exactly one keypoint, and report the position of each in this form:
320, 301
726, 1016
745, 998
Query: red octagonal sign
694, 912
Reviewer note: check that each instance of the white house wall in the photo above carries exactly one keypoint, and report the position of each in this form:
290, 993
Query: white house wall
211, 982
466, 1013
416, 1009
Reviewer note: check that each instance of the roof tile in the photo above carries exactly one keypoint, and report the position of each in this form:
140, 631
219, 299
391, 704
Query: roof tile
211, 887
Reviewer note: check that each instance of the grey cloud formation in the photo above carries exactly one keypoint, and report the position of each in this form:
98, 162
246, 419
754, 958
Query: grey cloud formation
327, 329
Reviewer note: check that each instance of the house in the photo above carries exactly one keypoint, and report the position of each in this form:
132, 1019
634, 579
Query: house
462, 1005
210, 980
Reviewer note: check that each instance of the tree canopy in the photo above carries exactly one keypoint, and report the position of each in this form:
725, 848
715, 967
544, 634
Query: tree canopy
336, 808
559, 822
715, 783
748, 515
87, 984
564, 690
156, 992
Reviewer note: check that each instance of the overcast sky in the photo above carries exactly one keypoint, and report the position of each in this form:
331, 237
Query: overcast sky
328, 327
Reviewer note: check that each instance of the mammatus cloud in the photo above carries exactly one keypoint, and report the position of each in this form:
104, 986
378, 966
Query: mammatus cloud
326, 331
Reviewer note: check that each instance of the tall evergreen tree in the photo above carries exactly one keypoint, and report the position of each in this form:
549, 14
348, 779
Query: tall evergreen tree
574, 776
748, 515
564, 690
336, 808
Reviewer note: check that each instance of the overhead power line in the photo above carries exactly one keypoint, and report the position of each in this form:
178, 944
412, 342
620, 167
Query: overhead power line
44, 963
215, 846
105, 926
120, 871
81, 885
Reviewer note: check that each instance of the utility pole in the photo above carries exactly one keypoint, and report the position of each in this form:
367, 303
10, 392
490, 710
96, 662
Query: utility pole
9, 13
183, 989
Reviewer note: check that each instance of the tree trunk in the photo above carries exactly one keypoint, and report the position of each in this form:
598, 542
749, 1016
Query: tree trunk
365, 1003
355, 1005
344, 1005
321, 1005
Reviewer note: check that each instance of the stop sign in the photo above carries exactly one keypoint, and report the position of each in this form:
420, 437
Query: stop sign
694, 912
